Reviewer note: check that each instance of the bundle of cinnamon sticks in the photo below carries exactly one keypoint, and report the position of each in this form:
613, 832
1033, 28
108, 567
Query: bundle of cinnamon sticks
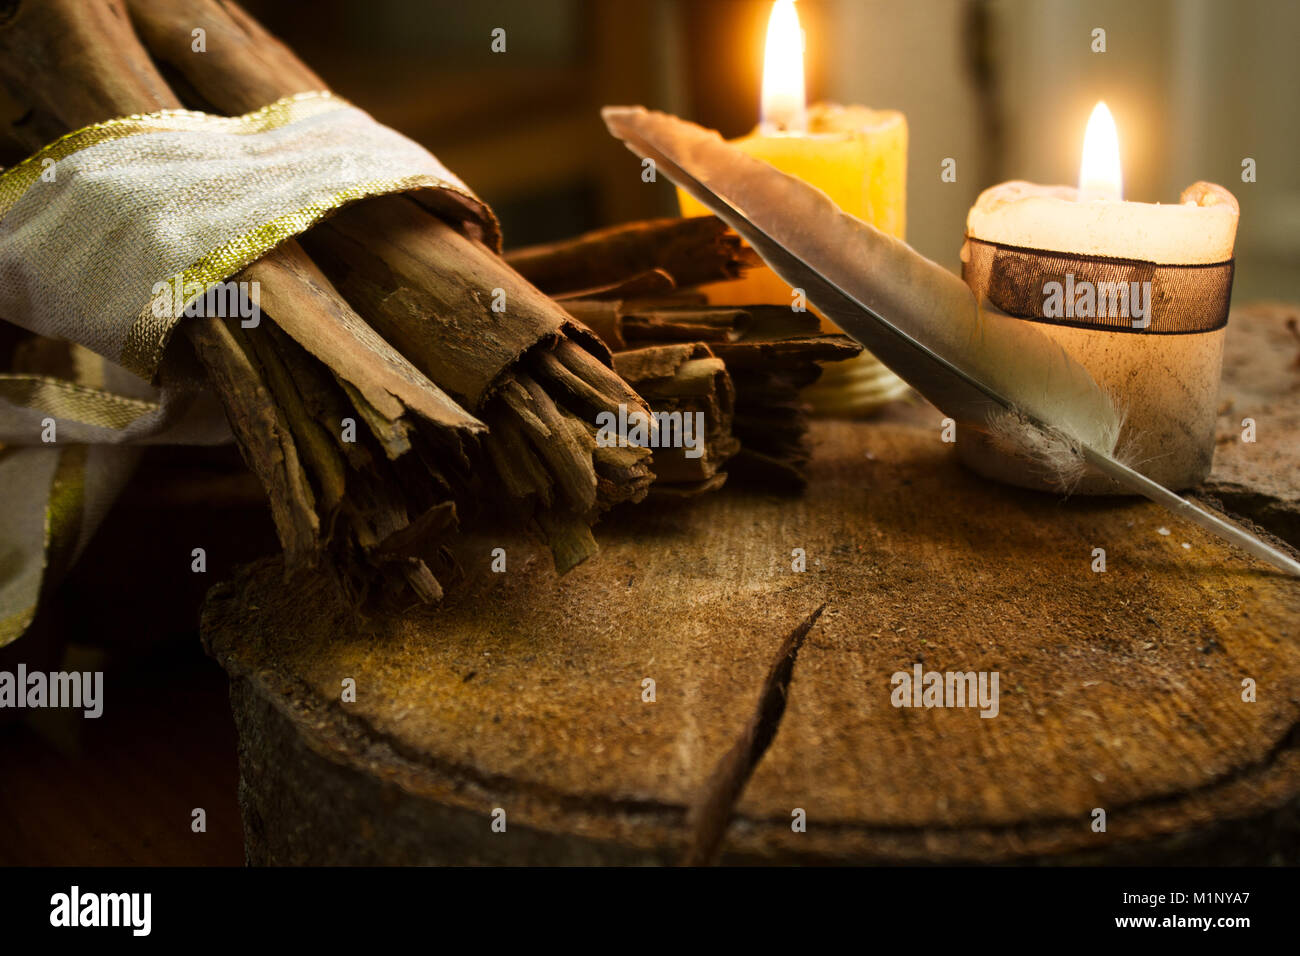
381, 316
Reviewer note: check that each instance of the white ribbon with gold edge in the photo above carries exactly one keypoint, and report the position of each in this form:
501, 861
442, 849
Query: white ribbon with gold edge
95, 225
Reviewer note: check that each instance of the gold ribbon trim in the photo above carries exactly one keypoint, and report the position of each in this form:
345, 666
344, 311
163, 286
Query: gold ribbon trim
64, 510
147, 336
79, 403
16, 180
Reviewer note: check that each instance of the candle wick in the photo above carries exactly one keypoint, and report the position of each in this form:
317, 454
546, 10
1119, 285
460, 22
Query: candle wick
797, 122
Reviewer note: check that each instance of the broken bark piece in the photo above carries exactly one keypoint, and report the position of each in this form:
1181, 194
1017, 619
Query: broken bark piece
603, 317
393, 434
597, 375
328, 407
422, 535
569, 537
623, 473
525, 479
377, 517
692, 401
575, 388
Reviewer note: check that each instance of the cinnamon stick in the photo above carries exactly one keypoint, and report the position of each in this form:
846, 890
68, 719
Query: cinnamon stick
263, 438
689, 251
650, 282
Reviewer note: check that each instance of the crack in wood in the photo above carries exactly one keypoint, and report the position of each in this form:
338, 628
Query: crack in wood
712, 811
1273, 519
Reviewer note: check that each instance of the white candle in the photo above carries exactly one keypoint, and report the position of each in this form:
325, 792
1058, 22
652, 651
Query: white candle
1165, 382
1199, 229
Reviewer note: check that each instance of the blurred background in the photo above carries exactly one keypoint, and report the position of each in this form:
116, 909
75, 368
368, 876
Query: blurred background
1004, 87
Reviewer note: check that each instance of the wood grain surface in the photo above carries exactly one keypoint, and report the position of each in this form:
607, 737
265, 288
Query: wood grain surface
1119, 691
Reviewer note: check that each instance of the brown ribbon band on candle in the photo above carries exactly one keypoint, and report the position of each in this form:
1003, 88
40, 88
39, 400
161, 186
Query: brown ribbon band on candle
1183, 299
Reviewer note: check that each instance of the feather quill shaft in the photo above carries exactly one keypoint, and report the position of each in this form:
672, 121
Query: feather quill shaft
915, 316
1191, 511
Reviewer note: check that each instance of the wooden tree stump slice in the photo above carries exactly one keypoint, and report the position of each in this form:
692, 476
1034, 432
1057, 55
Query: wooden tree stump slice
1119, 690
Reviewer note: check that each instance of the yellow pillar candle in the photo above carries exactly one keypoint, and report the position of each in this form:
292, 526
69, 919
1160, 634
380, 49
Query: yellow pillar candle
855, 155
858, 157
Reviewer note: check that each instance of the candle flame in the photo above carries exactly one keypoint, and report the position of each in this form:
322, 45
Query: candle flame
1099, 172
784, 102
